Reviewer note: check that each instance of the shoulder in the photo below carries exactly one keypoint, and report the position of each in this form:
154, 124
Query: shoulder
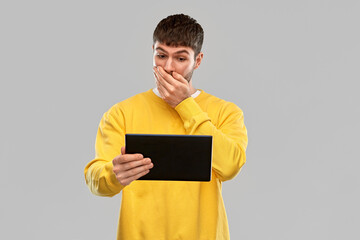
223, 106
128, 104
138, 98
132, 101
223, 113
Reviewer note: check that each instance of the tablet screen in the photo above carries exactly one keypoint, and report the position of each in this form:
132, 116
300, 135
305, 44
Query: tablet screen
175, 157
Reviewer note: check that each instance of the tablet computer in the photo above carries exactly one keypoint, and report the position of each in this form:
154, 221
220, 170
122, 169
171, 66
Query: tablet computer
175, 157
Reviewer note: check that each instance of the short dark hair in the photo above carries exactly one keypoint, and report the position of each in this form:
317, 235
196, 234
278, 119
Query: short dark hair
180, 30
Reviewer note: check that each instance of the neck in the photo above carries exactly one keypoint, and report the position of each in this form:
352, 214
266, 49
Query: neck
192, 89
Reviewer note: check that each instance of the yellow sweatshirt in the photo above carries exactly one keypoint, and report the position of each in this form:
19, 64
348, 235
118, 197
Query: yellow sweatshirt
170, 210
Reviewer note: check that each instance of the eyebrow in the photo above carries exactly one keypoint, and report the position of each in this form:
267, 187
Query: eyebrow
178, 52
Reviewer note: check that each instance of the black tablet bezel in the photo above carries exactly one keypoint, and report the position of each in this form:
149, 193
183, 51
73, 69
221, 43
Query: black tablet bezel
175, 157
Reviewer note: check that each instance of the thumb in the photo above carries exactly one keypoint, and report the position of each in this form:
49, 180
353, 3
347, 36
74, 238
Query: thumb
122, 150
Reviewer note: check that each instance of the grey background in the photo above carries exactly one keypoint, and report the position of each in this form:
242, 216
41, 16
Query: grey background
292, 66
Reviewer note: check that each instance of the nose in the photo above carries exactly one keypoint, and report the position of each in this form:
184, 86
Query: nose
169, 66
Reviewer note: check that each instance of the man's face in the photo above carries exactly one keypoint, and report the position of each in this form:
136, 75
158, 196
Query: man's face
176, 59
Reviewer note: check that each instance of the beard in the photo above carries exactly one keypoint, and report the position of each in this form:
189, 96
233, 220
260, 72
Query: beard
189, 75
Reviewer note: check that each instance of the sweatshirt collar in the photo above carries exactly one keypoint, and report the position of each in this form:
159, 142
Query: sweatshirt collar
194, 95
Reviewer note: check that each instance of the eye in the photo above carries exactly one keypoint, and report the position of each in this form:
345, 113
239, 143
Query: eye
161, 56
181, 59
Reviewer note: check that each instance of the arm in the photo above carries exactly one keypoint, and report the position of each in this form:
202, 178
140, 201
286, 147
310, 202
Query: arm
99, 174
229, 138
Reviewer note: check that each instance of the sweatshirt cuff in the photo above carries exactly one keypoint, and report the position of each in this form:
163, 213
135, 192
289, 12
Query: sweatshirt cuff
188, 108
113, 183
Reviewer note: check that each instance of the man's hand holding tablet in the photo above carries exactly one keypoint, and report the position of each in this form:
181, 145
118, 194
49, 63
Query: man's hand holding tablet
129, 167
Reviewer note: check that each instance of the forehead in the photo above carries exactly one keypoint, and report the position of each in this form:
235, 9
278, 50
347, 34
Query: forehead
173, 50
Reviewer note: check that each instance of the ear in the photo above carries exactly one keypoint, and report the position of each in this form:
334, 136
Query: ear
198, 60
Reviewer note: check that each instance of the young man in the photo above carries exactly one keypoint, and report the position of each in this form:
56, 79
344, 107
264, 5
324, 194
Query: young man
169, 209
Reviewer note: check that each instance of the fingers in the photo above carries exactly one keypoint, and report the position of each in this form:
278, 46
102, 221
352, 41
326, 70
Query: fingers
173, 91
129, 167
127, 158
160, 83
164, 79
180, 78
126, 176
127, 173
171, 78
163, 92
133, 164
127, 181
161, 73
166, 84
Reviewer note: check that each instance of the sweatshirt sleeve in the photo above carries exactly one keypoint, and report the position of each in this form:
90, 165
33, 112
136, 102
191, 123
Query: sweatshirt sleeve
229, 137
99, 174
